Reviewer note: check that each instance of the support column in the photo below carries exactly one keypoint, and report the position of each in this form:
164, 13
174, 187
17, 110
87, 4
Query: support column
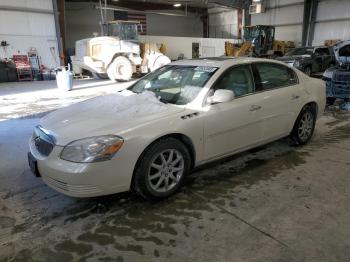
58, 32
309, 20
306, 19
314, 6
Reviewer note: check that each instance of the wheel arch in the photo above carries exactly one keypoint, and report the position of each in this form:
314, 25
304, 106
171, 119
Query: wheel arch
114, 56
313, 104
179, 136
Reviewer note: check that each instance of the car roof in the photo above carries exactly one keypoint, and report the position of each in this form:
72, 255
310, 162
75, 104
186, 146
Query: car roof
221, 61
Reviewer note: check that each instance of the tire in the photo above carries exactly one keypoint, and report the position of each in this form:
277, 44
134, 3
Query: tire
160, 61
304, 126
120, 69
307, 71
154, 176
330, 100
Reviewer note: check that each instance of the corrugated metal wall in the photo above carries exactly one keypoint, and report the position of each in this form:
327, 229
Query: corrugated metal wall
223, 23
23, 29
286, 16
332, 21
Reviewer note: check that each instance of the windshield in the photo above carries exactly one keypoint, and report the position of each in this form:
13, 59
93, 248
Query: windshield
113, 29
300, 51
129, 32
175, 84
344, 51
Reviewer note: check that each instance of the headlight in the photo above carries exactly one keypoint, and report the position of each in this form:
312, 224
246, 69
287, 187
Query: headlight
93, 149
296, 63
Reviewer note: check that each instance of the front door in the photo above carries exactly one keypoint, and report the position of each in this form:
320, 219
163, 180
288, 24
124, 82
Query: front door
233, 125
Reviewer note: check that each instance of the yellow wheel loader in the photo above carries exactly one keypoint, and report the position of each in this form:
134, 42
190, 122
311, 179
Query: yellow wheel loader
259, 41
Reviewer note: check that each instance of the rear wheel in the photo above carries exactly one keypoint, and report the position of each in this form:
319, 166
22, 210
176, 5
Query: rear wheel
304, 126
162, 169
120, 69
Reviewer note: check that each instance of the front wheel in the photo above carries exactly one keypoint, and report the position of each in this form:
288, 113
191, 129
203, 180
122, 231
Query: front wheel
120, 69
304, 126
160, 61
162, 169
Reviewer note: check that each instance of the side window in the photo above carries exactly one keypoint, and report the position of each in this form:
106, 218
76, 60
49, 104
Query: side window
238, 79
275, 75
322, 51
325, 51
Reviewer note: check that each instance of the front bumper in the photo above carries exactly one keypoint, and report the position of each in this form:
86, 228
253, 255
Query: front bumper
84, 179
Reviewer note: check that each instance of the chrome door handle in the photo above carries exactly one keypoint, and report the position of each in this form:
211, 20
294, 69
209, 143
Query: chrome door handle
295, 97
255, 108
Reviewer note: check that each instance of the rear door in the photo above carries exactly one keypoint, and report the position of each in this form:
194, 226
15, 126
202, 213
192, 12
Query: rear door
280, 97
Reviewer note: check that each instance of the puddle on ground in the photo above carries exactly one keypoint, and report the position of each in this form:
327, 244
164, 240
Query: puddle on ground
6, 222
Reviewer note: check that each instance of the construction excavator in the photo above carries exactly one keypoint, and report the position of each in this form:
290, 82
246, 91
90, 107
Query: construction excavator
259, 41
117, 53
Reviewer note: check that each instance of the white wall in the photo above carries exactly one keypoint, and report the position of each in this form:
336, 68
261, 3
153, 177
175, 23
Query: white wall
287, 19
223, 22
209, 47
332, 9
23, 30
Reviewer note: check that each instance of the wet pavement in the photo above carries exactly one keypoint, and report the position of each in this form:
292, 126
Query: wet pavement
273, 203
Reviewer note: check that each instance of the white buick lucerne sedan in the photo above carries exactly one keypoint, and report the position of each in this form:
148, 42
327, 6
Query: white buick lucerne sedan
183, 115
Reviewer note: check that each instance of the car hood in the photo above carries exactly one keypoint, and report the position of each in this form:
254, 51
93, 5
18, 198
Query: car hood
111, 114
342, 51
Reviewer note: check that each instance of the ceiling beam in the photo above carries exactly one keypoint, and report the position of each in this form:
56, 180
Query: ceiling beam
144, 6
238, 4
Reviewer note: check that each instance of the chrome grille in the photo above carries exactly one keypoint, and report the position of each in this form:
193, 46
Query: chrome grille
341, 76
43, 142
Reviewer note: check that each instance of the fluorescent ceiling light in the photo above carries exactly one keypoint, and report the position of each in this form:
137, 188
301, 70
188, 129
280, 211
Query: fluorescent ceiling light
177, 5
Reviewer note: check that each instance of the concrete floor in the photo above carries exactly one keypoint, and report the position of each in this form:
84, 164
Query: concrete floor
274, 203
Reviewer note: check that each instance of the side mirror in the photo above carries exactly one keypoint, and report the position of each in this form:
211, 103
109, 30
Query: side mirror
221, 96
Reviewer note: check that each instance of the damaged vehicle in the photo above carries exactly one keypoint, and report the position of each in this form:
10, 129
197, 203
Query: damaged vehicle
338, 78
310, 59
149, 137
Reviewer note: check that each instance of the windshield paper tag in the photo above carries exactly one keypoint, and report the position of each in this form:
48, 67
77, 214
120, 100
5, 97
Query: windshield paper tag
208, 69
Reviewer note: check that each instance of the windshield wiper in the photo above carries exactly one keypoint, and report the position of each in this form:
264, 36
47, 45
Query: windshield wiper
163, 100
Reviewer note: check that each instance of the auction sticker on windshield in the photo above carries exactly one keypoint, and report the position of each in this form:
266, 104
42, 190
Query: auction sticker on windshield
208, 69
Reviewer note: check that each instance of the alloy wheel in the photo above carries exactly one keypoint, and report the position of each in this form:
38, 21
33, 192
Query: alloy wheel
166, 170
305, 126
